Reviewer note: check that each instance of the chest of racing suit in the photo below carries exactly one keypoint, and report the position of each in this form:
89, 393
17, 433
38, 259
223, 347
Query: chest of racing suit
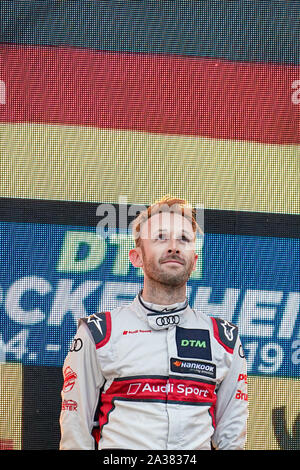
154, 380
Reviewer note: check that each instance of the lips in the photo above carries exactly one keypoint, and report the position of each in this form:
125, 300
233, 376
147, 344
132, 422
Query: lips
172, 261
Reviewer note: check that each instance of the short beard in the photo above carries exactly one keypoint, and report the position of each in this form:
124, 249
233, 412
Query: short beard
168, 279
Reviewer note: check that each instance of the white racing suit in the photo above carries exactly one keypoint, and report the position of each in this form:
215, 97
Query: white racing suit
154, 380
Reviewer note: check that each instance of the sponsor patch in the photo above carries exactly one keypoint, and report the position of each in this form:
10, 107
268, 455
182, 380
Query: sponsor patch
99, 325
69, 379
241, 395
225, 333
69, 405
76, 345
162, 389
243, 377
132, 332
182, 366
193, 343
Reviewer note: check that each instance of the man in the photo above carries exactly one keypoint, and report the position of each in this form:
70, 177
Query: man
156, 374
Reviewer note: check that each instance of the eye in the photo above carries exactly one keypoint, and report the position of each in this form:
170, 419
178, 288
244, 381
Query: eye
185, 238
161, 236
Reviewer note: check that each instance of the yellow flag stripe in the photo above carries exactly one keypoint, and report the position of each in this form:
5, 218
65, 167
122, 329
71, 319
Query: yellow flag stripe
100, 165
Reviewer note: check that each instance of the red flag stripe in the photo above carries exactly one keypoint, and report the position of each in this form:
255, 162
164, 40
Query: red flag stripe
153, 93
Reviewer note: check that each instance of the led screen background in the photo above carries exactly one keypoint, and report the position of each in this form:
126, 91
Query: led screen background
121, 103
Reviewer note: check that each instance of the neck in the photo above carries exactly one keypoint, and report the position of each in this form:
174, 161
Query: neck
163, 295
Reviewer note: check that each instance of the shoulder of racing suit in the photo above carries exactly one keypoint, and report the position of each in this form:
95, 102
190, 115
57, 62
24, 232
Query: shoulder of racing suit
225, 333
99, 325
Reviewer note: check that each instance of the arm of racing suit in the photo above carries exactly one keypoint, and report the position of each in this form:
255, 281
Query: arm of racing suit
80, 394
232, 405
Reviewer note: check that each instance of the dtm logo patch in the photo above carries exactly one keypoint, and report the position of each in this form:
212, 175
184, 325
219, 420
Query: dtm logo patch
193, 343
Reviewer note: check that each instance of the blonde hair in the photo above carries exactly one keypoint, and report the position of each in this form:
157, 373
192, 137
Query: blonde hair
166, 204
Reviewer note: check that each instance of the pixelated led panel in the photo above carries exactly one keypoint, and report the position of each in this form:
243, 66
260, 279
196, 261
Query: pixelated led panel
11, 408
48, 285
41, 409
274, 413
223, 133
77, 163
108, 115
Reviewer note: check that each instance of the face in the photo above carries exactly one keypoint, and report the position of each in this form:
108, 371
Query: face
167, 252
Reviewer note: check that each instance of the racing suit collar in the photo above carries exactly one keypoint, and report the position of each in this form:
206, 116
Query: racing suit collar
161, 316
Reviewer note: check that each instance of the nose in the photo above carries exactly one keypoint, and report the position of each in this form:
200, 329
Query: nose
173, 245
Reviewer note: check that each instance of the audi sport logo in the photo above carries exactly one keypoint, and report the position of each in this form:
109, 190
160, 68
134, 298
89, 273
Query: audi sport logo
167, 320
133, 389
139, 388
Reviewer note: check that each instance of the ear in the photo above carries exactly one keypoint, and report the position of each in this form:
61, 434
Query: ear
195, 262
135, 256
